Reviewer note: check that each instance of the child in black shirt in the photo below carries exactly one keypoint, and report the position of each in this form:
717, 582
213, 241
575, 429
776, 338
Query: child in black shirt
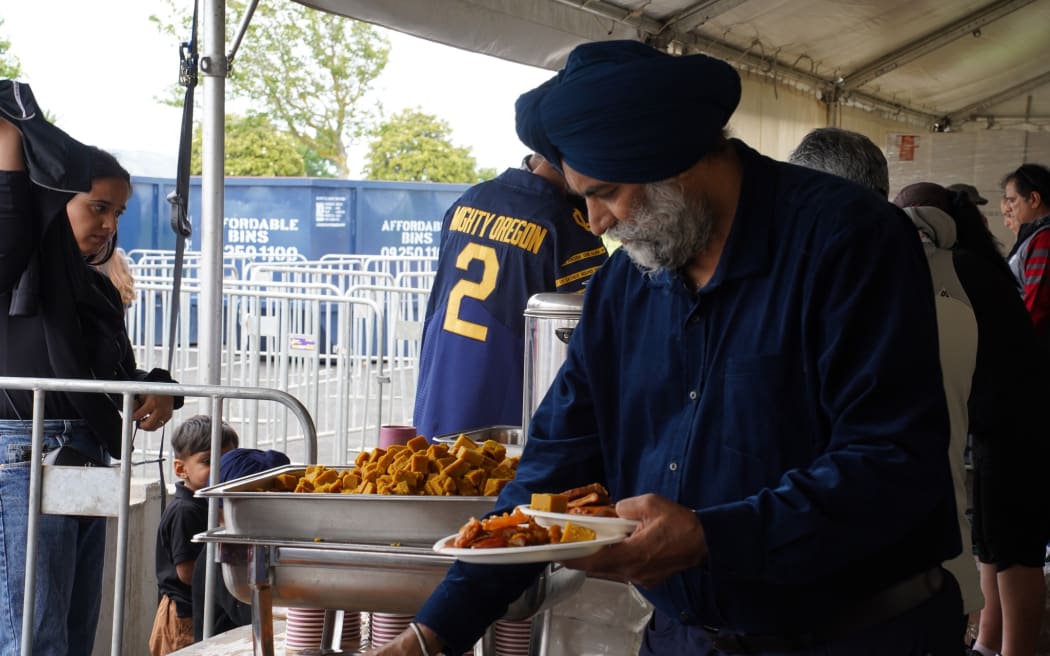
229, 611
184, 517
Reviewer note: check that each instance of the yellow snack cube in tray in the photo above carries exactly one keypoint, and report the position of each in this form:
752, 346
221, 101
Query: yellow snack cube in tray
416, 468
387, 496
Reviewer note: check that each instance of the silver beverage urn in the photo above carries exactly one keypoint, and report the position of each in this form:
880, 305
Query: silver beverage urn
549, 321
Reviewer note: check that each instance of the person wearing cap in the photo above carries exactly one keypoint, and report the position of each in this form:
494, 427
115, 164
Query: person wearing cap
1011, 516
751, 378
969, 191
1027, 192
974, 196
502, 241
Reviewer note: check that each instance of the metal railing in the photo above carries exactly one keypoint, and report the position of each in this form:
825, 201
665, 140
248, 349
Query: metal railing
342, 334
127, 390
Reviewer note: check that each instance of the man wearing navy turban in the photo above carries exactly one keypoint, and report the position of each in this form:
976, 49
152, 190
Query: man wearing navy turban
751, 378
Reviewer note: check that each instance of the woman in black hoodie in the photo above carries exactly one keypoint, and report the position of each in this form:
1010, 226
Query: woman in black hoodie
60, 202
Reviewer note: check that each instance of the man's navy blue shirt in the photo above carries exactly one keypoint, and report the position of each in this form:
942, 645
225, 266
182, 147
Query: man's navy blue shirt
795, 403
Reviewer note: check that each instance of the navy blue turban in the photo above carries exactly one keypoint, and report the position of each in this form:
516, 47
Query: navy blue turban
244, 462
621, 111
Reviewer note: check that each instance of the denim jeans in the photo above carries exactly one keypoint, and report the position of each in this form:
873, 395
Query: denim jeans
70, 552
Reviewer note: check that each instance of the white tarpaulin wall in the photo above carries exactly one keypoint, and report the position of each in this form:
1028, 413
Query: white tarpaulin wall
774, 119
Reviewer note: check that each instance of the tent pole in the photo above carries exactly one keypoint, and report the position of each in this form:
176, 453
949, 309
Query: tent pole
209, 330
214, 69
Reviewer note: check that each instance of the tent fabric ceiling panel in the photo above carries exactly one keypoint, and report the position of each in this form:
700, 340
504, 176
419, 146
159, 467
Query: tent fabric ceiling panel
1029, 104
813, 42
1008, 51
524, 31
839, 37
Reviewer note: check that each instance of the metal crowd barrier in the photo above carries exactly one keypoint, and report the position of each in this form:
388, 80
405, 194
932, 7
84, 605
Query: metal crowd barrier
128, 390
156, 261
323, 331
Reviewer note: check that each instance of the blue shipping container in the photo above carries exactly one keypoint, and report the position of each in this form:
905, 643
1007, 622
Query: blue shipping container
307, 216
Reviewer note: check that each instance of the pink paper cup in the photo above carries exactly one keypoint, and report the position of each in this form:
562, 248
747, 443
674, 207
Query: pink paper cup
391, 435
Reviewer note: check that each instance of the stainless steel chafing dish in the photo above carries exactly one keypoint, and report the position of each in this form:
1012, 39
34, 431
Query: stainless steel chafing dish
349, 551
250, 511
384, 579
510, 436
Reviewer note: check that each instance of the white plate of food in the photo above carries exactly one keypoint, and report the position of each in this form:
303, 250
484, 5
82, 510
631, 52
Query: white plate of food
540, 553
598, 524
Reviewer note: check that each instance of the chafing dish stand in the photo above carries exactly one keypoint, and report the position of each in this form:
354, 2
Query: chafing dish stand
376, 578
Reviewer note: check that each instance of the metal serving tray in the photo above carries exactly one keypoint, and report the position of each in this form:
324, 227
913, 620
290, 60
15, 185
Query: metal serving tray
380, 579
249, 510
511, 436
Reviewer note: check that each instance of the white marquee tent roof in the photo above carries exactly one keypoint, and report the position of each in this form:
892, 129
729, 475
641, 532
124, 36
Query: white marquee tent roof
924, 59
934, 62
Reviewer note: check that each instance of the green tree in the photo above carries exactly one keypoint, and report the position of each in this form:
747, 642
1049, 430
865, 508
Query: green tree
307, 70
254, 147
416, 146
10, 66
316, 166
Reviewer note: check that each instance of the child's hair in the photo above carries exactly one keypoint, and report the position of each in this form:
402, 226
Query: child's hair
194, 436
119, 273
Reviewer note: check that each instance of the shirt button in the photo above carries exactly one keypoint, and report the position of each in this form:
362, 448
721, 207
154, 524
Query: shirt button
673, 466
692, 395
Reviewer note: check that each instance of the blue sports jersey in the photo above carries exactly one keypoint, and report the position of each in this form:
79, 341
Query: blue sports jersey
501, 242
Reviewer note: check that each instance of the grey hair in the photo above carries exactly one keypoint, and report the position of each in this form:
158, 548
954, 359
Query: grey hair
846, 154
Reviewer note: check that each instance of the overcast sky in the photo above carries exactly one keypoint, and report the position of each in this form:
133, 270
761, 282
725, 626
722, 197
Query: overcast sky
98, 67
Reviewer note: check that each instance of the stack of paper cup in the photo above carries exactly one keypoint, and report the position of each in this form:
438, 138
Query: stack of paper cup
386, 626
304, 629
351, 639
512, 638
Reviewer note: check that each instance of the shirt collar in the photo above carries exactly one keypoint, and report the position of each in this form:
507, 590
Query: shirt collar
1040, 222
183, 492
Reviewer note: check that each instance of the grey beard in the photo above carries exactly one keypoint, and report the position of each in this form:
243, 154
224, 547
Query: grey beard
666, 229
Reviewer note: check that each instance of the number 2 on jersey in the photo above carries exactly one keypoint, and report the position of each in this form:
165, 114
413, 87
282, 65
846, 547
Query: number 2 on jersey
470, 289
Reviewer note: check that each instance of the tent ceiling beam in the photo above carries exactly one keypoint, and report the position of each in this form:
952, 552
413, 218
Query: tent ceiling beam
655, 33
637, 19
1004, 95
775, 67
970, 24
699, 14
